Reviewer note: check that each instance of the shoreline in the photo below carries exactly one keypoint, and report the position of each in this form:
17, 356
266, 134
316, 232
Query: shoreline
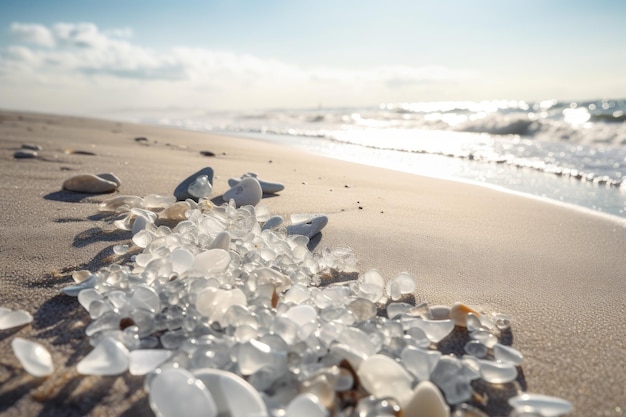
492, 250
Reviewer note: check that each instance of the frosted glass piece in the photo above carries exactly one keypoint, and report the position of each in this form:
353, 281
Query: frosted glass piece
33, 356
544, 405
420, 362
144, 361
232, 394
14, 318
383, 377
109, 357
176, 389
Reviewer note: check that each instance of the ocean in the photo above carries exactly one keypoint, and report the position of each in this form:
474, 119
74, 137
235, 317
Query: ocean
572, 152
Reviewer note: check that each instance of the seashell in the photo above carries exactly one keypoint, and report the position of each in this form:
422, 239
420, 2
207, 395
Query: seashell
459, 312
247, 192
89, 183
181, 192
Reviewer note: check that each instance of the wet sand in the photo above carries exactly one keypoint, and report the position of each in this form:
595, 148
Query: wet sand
558, 271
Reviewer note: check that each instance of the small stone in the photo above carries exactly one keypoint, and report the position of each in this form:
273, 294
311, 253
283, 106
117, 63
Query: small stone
310, 227
268, 187
273, 222
14, 318
426, 401
543, 405
207, 153
32, 147
35, 358
25, 154
109, 357
247, 192
110, 177
181, 192
89, 183
176, 389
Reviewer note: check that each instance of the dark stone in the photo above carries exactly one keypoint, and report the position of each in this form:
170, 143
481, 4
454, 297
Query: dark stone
207, 153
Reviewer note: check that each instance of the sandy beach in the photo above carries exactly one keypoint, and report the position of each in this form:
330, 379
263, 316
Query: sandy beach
558, 271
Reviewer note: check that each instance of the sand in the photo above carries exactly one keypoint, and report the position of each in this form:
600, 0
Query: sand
559, 272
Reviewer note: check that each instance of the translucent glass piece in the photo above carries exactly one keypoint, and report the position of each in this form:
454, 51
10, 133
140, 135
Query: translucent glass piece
435, 329
420, 362
176, 389
448, 375
109, 357
476, 348
200, 187
496, 372
384, 377
144, 361
14, 318
306, 405
232, 394
33, 356
544, 405
507, 354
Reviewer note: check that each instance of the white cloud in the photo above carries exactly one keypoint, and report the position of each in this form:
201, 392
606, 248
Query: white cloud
33, 33
80, 56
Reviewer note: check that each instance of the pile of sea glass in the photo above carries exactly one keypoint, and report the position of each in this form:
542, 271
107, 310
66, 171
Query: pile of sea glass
228, 314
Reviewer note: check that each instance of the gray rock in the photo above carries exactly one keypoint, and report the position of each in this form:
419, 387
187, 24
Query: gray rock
247, 192
32, 147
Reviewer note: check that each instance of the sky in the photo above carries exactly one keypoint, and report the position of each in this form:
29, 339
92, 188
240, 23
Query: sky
93, 56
